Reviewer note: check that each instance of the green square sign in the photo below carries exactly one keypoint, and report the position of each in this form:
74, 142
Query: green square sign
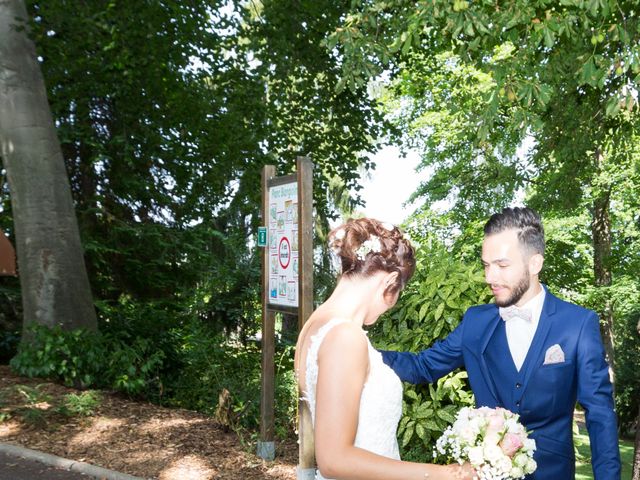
262, 236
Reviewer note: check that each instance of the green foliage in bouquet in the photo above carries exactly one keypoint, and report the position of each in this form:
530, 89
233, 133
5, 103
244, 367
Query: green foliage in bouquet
431, 307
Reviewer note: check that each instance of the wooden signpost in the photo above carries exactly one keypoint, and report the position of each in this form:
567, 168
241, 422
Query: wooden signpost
287, 287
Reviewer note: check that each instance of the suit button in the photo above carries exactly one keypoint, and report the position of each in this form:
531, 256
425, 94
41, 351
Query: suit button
517, 404
518, 385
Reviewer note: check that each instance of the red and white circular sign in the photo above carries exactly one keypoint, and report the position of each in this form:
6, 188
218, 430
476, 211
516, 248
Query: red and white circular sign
284, 252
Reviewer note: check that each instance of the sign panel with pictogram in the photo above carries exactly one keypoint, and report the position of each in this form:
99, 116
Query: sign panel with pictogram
283, 244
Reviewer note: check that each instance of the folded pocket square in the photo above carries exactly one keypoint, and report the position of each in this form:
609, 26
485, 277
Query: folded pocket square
554, 354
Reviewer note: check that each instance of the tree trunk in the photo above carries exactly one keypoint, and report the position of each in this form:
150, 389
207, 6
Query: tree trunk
601, 232
53, 277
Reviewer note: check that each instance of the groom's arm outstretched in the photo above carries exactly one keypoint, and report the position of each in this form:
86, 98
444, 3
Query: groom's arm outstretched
428, 365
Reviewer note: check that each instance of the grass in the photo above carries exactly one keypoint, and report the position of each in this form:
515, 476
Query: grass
583, 462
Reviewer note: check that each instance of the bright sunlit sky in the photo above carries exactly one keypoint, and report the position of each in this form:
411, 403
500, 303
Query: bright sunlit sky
390, 185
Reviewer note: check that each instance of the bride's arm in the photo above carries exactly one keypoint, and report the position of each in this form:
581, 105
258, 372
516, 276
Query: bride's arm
343, 364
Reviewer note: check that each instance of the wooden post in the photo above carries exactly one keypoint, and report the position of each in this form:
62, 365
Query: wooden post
266, 444
306, 458
281, 297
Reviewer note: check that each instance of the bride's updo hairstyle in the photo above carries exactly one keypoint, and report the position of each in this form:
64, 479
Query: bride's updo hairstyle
365, 246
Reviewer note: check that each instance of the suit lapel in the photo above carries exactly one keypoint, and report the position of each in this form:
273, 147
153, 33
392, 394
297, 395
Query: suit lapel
484, 341
538, 342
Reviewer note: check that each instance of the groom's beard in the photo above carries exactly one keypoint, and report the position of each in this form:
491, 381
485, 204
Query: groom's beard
517, 292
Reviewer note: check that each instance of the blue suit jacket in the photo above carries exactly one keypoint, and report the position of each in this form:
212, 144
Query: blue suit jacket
546, 397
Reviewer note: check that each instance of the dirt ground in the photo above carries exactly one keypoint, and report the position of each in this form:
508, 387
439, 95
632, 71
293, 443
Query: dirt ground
137, 438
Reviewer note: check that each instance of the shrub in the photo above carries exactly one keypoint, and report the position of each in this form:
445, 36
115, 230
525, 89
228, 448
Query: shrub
84, 359
211, 364
203, 364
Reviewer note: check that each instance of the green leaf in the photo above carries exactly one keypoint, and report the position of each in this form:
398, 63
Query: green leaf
408, 433
613, 107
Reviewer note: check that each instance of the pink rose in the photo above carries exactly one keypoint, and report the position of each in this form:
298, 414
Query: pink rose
510, 444
496, 423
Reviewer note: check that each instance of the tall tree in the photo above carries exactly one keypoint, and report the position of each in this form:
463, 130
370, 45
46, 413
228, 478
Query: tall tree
54, 282
562, 74
167, 112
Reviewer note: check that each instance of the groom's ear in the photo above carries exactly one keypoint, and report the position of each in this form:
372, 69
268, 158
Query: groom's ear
535, 263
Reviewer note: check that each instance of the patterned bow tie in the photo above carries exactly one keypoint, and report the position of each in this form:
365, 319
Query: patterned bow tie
515, 312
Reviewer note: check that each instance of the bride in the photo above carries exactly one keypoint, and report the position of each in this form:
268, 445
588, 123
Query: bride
354, 398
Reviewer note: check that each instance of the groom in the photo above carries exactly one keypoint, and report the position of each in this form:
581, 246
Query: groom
530, 353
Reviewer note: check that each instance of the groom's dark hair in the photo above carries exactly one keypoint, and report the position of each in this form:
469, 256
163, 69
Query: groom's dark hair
525, 220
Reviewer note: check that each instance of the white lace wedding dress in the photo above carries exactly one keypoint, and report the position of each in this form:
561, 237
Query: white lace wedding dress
380, 403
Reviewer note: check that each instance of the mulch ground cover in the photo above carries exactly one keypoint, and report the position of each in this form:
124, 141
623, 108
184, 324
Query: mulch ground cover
137, 438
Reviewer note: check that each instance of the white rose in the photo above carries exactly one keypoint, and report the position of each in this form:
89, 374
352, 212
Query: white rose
492, 438
504, 465
468, 435
521, 459
531, 466
476, 456
516, 472
493, 453
478, 423
513, 426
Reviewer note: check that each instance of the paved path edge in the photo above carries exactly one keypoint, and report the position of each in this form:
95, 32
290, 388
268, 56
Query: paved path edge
59, 462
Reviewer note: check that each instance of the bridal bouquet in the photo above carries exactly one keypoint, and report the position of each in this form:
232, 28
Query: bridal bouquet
492, 440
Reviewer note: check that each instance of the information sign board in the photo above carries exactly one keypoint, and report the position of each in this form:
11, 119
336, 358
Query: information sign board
283, 244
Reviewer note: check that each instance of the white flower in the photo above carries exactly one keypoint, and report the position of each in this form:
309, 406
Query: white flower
476, 456
476, 437
339, 234
478, 423
516, 472
504, 465
520, 460
492, 453
468, 434
513, 426
531, 466
530, 445
371, 245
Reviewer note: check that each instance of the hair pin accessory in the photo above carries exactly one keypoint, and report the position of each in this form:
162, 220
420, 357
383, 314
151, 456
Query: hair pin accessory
371, 245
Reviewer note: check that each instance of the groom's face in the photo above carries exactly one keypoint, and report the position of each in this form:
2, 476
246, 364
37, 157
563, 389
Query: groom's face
505, 267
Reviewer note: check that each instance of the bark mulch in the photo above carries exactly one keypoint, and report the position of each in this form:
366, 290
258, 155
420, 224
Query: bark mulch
140, 439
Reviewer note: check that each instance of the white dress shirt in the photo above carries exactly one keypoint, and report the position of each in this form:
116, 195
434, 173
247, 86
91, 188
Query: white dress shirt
520, 332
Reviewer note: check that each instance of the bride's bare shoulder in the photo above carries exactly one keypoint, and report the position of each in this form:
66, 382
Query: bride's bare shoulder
343, 331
